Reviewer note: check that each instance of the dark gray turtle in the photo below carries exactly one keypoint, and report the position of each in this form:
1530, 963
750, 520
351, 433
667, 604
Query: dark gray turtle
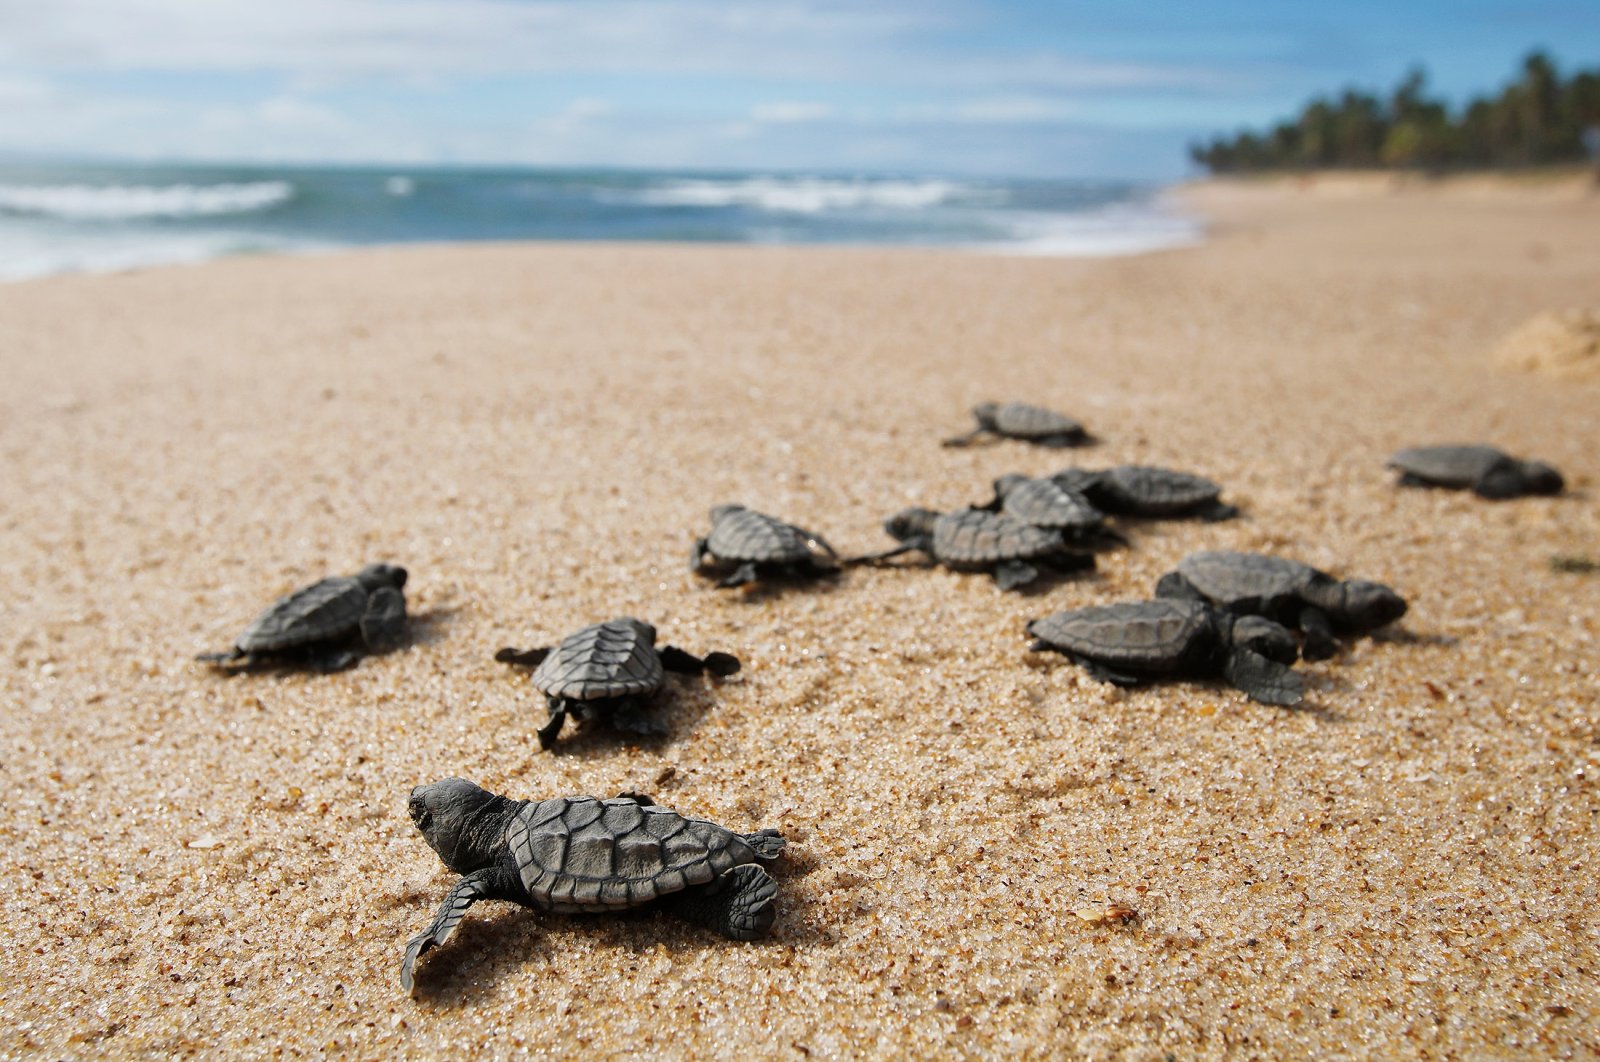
580, 854
1294, 594
328, 625
753, 544
974, 540
1046, 503
609, 670
1148, 491
1484, 470
1134, 642
1018, 420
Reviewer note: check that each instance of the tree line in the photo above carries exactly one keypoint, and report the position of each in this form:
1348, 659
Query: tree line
1538, 118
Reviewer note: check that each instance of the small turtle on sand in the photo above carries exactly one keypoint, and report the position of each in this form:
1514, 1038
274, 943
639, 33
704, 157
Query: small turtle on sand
1488, 472
1148, 491
754, 544
328, 625
1046, 503
1018, 420
1133, 642
1293, 594
574, 854
609, 670
974, 540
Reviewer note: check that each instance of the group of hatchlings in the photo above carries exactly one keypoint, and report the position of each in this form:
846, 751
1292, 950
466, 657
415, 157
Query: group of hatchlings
1219, 614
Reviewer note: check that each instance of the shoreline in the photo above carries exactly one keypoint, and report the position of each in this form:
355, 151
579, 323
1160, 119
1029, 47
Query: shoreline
536, 431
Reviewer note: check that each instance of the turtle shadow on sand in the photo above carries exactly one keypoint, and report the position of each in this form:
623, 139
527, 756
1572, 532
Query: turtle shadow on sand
774, 586
679, 711
429, 626
1399, 635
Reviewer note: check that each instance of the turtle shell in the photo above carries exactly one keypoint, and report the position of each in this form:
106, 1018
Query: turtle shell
324, 611
1157, 636
1022, 421
973, 536
1143, 490
1451, 466
583, 854
1046, 503
1248, 582
742, 534
616, 658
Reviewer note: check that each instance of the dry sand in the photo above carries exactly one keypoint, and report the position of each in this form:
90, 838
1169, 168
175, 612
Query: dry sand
207, 864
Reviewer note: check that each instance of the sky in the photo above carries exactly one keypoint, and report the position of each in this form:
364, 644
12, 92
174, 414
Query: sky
1070, 88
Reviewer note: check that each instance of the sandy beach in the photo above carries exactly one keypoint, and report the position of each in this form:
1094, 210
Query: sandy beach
1407, 867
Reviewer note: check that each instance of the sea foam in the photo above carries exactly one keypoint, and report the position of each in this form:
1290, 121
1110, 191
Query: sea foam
805, 195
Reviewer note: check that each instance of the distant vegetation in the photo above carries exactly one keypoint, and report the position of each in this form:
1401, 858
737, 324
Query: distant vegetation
1539, 118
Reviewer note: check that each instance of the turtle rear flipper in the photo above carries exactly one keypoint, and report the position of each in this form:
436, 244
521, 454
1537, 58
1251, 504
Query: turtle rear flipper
1263, 680
739, 904
383, 625
552, 726
1008, 575
490, 883
741, 576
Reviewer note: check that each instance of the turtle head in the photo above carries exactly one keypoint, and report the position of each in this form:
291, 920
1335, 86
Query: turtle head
908, 524
1272, 640
721, 511
985, 413
378, 576
1368, 606
1540, 478
460, 821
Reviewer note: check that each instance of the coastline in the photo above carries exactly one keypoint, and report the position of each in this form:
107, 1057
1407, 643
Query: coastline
537, 431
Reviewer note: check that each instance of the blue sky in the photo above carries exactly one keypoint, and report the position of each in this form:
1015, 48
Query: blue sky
1095, 88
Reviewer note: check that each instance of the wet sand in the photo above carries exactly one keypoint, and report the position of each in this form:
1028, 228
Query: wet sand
1406, 867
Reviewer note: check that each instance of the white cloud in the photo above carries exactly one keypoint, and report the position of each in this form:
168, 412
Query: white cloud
1017, 109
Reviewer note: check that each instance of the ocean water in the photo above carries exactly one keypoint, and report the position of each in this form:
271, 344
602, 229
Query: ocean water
97, 218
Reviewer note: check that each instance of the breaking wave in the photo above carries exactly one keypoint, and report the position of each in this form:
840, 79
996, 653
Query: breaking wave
807, 195
130, 202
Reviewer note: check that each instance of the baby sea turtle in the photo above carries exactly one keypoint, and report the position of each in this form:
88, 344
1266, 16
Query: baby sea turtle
1046, 503
753, 544
974, 540
1485, 470
609, 670
1018, 420
1133, 642
328, 625
1294, 594
1148, 491
572, 854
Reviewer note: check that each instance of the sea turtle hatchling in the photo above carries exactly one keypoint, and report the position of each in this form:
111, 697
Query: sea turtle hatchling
328, 625
609, 670
1486, 471
1148, 491
1294, 594
753, 544
1046, 503
1018, 420
975, 540
576, 854
1130, 643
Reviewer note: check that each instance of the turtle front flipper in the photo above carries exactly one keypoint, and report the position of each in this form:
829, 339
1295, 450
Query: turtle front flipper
1101, 673
383, 624
743, 575
1263, 680
1216, 512
685, 663
1008, 575
552, 726
697, 556
232, 659
964, 440
1320, 642
739, 904
489, 883
524, 657
1499, 483
874, 558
